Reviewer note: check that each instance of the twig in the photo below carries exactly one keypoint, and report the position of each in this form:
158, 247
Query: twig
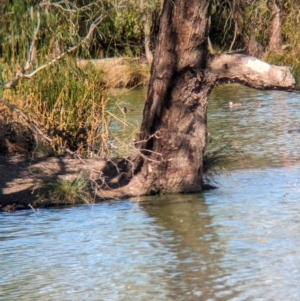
36, 213
156, 135
32, 49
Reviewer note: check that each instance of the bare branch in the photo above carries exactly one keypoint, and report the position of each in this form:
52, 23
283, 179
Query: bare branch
235, 34
95, 13
86, 40
70, 7
21, 71
32, 50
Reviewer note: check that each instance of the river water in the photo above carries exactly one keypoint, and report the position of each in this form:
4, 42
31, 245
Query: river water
238, 242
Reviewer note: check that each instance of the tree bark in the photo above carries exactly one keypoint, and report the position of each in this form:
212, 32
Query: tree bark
275, 43
147, 32
253, 48
174, 120
147, 40
168, 157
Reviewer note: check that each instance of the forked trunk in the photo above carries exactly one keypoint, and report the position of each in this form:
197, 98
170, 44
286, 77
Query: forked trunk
168, 156
169, 153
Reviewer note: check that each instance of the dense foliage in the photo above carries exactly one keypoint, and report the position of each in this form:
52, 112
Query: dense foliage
121, 31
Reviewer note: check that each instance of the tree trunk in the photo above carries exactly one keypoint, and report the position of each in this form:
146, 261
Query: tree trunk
275, 43
174, 122
169, 153
168, 157
253, 48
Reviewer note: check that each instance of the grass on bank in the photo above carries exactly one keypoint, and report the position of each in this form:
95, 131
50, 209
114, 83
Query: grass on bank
71, 105
64, 192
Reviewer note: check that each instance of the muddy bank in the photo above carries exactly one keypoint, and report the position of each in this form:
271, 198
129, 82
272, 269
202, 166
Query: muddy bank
22, 177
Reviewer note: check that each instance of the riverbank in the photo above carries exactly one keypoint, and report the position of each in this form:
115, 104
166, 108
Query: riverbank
23, 177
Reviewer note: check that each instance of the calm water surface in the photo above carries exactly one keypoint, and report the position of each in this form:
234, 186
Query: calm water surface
239, 242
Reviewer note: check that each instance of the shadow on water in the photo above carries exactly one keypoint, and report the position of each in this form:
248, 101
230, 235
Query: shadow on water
199, 248
162, 248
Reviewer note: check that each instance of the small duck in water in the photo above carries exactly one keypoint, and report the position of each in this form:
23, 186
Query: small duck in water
294, 131
234, 104
125, 110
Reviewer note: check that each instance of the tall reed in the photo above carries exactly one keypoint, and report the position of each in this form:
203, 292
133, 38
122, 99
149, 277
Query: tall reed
69, 105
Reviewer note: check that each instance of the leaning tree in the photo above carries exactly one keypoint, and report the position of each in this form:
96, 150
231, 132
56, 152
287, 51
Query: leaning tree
168, 156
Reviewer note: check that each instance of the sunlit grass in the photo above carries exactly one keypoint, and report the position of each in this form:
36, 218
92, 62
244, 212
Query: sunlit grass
70, 105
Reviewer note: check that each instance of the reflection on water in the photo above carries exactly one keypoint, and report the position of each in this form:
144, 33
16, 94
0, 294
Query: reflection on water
239, 242
120, 251
260, 221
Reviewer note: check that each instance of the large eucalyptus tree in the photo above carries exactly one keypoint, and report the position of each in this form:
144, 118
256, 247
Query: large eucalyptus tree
168, 156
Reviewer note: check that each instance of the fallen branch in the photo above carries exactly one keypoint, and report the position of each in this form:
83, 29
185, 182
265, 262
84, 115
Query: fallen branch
249, 71
37, 215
